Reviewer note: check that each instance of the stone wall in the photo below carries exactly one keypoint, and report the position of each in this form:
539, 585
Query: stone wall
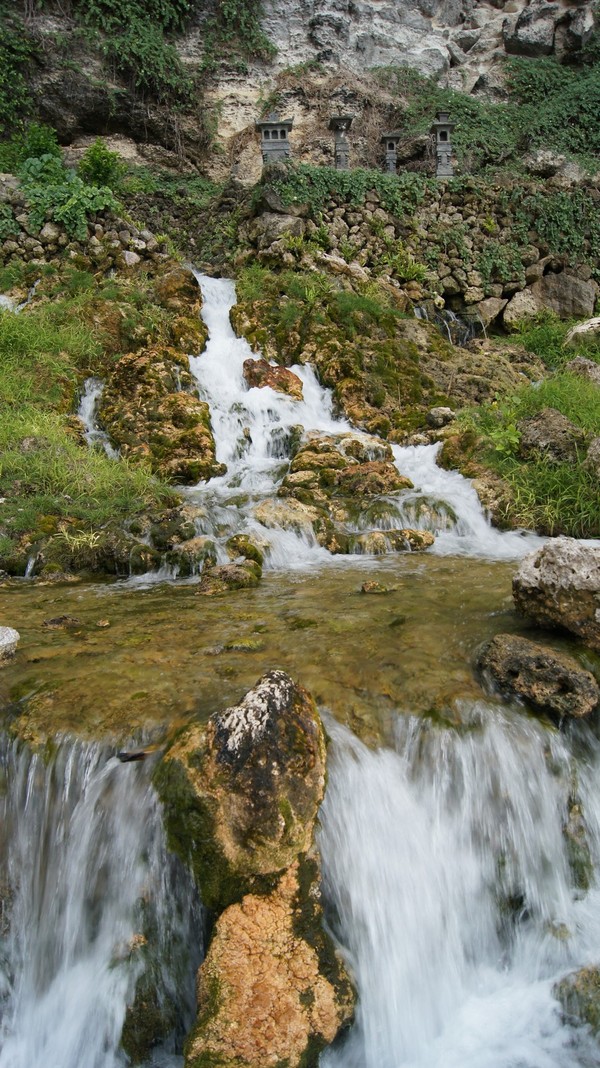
111, 242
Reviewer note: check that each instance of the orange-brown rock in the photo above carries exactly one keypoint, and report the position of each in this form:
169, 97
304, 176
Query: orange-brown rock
266, 994
262, 373
370, 479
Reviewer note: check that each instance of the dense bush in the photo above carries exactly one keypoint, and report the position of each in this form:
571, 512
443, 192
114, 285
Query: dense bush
100, 166
17, 50
54, 193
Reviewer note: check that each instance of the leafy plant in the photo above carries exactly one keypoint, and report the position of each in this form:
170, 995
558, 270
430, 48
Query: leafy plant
17, 50
305, 184
100, 166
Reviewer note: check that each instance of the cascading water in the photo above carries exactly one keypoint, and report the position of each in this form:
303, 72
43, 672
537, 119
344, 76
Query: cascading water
87, 412
91, 901
253, 429
453, 895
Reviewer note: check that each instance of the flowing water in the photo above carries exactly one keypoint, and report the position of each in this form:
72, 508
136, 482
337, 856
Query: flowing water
448, 876
454, 899
89, 900
253, 430
88, 411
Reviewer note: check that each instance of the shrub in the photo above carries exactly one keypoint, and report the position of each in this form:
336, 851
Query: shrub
100, 166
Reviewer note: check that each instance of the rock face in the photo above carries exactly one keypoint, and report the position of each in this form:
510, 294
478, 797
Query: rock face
551, 682
559, 586
9, 639
267, 992
562, 292
551, 435
245, 789
241, 796
583, 367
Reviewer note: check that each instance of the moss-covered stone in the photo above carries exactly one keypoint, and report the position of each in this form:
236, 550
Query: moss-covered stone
579, 995
152, 415
223, 786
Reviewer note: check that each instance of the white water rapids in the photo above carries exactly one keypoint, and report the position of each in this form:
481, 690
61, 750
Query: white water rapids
252, 429
85, 877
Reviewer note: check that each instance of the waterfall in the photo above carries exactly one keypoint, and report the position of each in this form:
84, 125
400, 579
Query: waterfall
452, 894
87, 412
253, 429
90, 902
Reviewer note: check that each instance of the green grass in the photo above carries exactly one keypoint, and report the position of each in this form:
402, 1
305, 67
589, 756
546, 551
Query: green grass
552, 498
545, 337
47, 475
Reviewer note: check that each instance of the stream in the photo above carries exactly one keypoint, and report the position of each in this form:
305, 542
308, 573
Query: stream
447, 874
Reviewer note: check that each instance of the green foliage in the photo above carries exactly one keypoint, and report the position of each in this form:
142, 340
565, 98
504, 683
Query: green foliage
55, 193
100, 166
397, 260
33, 140
45, 353
8, 223
17, 50
553, 498
305, 184
545, 337
234, 33
559, 104
499, 262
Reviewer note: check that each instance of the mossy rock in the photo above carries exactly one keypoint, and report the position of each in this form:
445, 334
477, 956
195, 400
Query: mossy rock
148, 1020
242, 545
241, 793
579, 995
226, 577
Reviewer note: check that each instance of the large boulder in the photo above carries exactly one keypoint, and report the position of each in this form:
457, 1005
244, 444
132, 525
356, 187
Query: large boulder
532, 32
550, 434
562, 292
551, 682
241, 792
271, 991
241, 795
559, 586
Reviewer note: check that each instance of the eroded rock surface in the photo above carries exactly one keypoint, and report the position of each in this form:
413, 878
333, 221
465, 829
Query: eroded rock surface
9, 639
551, 682
559, 586
262, 373
271, 990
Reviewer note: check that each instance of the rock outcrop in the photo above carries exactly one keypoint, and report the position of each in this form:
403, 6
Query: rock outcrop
241, 796
152, 415
559, 586
551, 435
550, 682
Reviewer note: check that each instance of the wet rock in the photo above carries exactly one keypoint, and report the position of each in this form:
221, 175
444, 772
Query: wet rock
287, 514
376, 588
551, 435
551, 682
227, 577
242, 792
148, 1020
559, 586
575, 833
371, 479
243, 545
579, 995
191, 556
262, 373
9, 639
152, 418
61, 623
271, 990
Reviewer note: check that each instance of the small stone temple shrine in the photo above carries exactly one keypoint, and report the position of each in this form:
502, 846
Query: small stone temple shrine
274, 137
442, 131
340, 124
390, 141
